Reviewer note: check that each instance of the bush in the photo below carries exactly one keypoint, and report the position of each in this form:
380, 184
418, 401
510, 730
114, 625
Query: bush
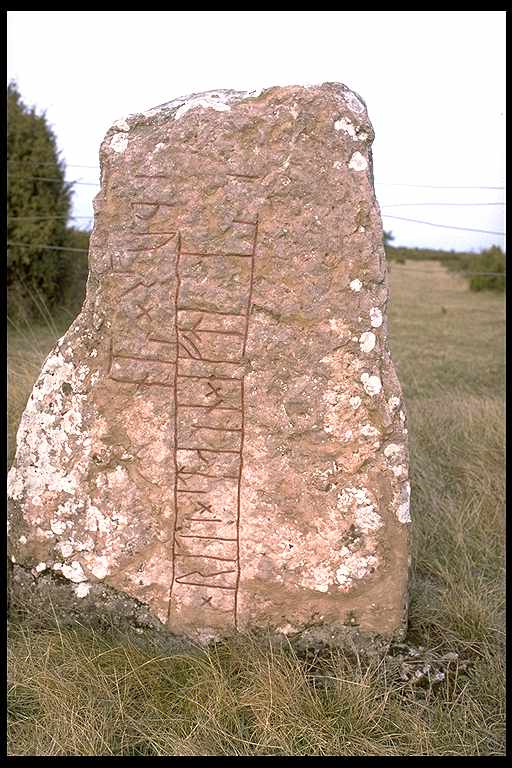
38, 203
74, 270
490, 260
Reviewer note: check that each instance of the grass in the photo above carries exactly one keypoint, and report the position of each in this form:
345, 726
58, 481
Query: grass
484, 271
74, 692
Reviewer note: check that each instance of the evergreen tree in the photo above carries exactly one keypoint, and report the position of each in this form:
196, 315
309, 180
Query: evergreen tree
38, 201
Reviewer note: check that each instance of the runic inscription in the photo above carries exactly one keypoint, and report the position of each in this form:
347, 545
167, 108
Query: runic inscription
197, 356
208, 439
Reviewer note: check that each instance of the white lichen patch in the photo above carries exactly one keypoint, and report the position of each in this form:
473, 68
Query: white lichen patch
50, 432
95, 520
318, 578
368, 431
347, 126
49, 423
353, 103
58, 527
334, 421
359, 501
356, 285
118, 478
14, 484
375, 317
392, 450
100, 566
367, 519
66, 548
121, 125
82, 546
372, 384
82, 589
119, 142
404, 508
355, 566
358, 162
367, 341
73, 572
337, 325
40, 567
393, 403
355, 402
212, 100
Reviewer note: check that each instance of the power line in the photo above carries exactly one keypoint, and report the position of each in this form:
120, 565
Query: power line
45, 165
415, 269
379, 183
386, 215
389, 216
48, 247
45, 218
443, 226
432, 186
402, 205
60, 181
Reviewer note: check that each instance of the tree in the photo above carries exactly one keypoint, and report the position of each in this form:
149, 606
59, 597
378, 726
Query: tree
74, 279
38, 201
491, 263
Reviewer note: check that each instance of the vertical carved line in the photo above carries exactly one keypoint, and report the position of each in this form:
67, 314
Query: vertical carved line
241, 466
238, 497
110, 354
249, 302
175, 389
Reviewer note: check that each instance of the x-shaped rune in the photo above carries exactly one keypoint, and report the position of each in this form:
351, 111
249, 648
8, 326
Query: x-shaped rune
213, 391
201, 507
144, 312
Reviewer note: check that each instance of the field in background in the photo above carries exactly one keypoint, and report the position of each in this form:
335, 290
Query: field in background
76, 693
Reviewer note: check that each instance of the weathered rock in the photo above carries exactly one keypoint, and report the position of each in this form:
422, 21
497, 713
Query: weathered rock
220, 435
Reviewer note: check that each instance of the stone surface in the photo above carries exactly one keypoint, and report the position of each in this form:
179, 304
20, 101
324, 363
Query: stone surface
220, 435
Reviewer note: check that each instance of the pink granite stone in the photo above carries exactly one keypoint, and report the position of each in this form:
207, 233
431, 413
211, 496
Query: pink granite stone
220, 435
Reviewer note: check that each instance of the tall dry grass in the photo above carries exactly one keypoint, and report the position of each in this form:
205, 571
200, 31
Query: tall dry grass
74, 692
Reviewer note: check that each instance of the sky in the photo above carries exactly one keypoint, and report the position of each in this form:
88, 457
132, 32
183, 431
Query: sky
433, 81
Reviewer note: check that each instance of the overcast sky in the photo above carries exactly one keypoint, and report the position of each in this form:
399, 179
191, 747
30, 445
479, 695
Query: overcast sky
434, 83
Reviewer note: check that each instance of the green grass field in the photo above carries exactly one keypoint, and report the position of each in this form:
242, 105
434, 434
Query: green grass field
73, 692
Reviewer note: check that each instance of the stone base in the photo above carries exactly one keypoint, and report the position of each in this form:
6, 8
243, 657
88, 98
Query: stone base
49, 600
